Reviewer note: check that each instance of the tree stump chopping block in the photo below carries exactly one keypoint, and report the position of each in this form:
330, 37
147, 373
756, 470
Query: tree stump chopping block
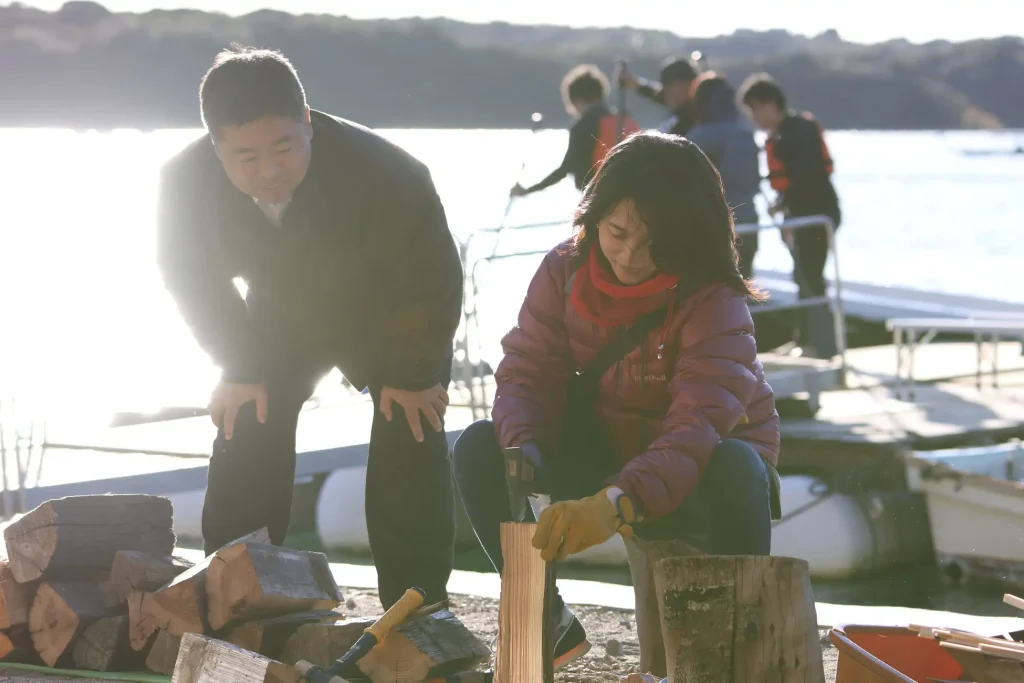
642, 555
67, 537
733, 619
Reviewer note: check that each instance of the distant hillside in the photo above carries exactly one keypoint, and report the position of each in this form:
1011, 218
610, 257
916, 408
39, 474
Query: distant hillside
86, 67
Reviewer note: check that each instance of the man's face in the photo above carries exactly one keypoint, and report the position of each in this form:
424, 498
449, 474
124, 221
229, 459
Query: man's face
676, 94
266, 158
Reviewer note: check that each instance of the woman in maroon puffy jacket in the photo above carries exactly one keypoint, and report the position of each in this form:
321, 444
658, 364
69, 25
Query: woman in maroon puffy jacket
686, 427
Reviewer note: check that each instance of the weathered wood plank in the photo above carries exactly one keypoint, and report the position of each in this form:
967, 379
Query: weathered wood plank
249, 581
65, 537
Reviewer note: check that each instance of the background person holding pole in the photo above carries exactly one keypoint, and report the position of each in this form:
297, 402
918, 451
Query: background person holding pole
672, 92
585, 90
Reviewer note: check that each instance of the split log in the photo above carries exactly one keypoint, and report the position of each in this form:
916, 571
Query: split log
642, 555
733, 619
268, 636
134, 571
61, 611
103, 646
322, 644
64, 537
428, 646
164, 653
180, 606
519, 657
16, 646
205, 660
249, 581
15, 599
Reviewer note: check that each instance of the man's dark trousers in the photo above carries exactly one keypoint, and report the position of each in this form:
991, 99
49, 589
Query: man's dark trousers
410, 513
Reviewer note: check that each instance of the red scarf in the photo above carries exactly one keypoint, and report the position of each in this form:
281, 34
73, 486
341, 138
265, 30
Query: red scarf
599, 297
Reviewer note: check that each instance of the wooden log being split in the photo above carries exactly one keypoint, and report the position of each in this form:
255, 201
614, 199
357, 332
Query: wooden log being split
60, 613
733, 619
205, 660
180, 606
428, 646
250, 581
164, 653
268, 636
65, 537
15, 599
135, 571
103, 646
519, 658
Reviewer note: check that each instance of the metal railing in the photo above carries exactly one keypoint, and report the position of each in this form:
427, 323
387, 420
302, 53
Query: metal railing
472, 374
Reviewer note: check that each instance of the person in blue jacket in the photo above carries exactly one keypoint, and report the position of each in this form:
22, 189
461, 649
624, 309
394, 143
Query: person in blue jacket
724, 136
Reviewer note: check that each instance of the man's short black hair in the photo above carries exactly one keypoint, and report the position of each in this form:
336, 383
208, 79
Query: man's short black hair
677, 69
762, 88
585, 83
245, 84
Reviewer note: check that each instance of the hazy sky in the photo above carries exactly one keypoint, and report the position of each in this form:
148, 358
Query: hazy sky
858, 20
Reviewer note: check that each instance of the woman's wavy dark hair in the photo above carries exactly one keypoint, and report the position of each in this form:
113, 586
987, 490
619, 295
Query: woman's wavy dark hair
678, 195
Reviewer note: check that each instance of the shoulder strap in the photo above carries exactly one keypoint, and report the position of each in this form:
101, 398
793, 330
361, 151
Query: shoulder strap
623, 344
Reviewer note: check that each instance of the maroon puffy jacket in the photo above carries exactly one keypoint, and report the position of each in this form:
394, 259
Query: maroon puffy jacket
662, 417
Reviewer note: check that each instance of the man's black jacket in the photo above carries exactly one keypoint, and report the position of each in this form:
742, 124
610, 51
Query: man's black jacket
362, 273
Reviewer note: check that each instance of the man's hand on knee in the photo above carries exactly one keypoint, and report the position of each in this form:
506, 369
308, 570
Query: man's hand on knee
431, 403
228, 399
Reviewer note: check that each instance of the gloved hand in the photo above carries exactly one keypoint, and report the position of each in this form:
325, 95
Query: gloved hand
572, 526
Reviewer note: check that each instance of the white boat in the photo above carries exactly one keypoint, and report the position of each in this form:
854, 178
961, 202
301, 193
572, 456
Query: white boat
976, 509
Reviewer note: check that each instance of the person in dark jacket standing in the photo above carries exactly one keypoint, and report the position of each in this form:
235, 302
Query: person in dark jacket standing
585, 92
800, 171
345, 250
722, 134
673, 91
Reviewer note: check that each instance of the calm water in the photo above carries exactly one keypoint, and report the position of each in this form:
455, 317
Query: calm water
87, 324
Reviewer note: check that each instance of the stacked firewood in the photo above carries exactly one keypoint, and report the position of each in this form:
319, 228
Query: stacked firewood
92, 582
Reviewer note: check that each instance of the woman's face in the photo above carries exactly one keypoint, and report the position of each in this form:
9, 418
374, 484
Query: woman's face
627, 246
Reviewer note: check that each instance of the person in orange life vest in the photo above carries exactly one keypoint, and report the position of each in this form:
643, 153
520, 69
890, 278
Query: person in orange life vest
800, 171
674, 91
585, 90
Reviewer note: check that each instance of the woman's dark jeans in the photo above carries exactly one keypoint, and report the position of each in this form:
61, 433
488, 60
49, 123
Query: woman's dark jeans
728, 513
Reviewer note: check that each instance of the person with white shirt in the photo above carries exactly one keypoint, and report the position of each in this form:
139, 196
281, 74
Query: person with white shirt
345, 249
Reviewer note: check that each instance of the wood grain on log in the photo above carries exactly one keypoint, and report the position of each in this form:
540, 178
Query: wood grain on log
103, 646
425, 646
206, 660
733, 619
642, 555
180, 606
65, 537
321, 643
15, 598
134, 570
164, 653
60, 613
519, 657
249, 581
268, 636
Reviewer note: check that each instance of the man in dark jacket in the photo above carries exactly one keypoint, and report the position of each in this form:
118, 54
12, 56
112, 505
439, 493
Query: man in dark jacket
800, 171
722, 134
673, 91
345, 251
